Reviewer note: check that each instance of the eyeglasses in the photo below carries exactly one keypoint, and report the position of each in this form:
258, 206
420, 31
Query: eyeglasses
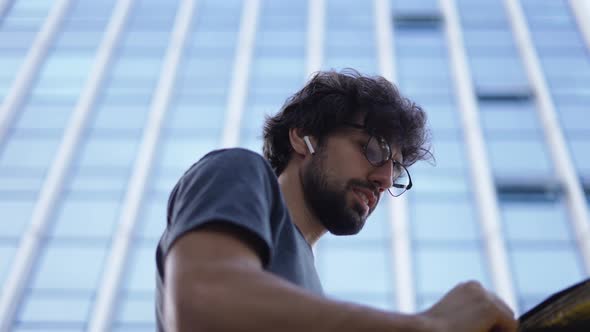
378, 153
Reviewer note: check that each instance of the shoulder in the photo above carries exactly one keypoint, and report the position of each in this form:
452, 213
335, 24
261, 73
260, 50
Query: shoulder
228, 158
235, 154
229, 167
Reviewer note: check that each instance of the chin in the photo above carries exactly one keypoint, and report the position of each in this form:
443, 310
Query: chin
349, 223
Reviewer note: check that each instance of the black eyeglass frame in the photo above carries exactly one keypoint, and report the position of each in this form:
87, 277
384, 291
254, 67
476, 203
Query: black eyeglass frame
389, 157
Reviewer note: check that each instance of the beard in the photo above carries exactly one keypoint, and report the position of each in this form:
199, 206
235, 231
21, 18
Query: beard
327, 200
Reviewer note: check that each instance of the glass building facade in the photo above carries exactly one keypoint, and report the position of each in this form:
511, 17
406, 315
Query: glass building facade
104, 104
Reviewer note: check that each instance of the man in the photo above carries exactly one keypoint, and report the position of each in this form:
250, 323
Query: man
236, 254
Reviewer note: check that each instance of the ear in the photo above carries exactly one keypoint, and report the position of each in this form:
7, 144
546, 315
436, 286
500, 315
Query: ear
296, 138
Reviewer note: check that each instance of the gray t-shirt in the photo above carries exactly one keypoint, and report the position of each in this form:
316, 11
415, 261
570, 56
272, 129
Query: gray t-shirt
237, 187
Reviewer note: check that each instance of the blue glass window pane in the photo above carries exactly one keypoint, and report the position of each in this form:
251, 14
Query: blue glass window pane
408, 73
134, 328
438, 269
28, 152
103, 180
285, 85
336, 39
281, 38
141, 265
163, 183
418, 41
109, 151
80, 39
423, 66
427, 88
59, 88
225, 40
146, 39
34, 327
55, 266
118, 117
136, 311
145, 67
430, 220
367, 66
6, 254
15, 217
545, 270
414, 6
92, 8
556, 37
86, 218
49, 309
509, 116
10, 63
209, 89
153, 218
355, 269
580, 153
535, 221
434, 181
31, 8
378, 225
544, 8
43, 117
14, 182
180, 152
448, 154
67, 64
185, 116
519, 157
488, 37
566, 65
255, 116
498, 72
251, 141
442, 118
574, 119
207, 67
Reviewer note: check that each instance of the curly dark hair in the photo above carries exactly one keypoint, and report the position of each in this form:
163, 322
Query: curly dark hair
333, 98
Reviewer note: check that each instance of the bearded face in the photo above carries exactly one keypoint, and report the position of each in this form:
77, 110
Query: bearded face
333, 200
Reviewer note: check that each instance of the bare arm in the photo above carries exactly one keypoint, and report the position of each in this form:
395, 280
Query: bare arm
215, 282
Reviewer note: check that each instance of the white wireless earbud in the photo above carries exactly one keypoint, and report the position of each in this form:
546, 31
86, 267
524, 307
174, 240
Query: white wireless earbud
308, 143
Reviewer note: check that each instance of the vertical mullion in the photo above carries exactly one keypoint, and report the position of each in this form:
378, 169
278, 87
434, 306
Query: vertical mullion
53, 184
4, 4
31, 64
581, 11
574, 194
102, 314
241, 73
398, 206
481, 177
315, 36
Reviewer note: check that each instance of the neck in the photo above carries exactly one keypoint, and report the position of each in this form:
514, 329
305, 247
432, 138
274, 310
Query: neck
292, 190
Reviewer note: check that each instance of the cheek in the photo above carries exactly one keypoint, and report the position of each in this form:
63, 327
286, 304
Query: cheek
344, 162
349, 166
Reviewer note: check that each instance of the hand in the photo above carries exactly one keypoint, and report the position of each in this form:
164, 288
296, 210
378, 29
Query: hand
469, 307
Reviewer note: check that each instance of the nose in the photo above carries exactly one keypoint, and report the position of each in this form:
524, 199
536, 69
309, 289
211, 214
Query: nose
382, 176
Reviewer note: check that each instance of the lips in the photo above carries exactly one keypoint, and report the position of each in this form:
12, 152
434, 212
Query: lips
366, 196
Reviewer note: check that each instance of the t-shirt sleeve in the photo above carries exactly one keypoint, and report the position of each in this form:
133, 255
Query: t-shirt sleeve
235, 187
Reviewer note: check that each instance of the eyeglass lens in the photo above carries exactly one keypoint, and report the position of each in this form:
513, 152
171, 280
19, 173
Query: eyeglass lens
378, 153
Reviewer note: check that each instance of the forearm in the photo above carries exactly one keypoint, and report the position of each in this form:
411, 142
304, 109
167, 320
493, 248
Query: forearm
224, 299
